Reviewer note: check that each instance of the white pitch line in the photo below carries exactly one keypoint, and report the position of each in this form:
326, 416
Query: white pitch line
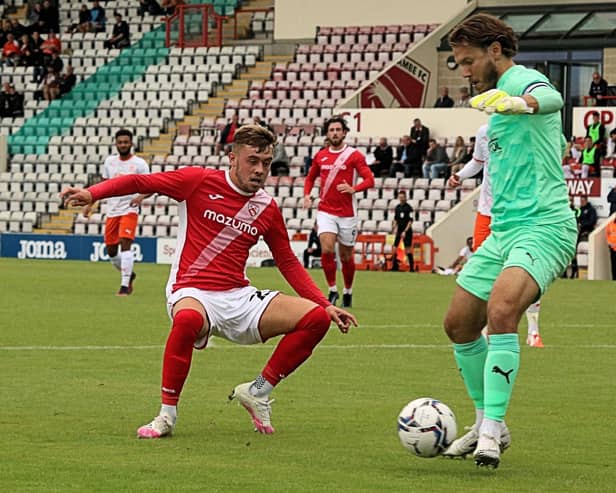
211, 345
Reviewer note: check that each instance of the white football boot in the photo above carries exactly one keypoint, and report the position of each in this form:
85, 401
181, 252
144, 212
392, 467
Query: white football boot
487, 453
160, 426
259, 407
467, 443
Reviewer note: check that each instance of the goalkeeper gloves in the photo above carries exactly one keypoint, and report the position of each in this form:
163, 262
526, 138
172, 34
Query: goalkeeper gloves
497, 101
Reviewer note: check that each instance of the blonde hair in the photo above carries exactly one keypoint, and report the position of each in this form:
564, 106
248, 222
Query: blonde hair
254, 136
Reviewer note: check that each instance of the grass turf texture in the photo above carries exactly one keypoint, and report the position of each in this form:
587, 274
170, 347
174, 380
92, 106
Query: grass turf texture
80, 370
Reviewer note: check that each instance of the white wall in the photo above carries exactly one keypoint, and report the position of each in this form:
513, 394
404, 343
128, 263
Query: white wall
297, 19
442, 122
599, 264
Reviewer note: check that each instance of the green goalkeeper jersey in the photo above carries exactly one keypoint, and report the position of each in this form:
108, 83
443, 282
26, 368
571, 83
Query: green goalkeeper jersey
525, 163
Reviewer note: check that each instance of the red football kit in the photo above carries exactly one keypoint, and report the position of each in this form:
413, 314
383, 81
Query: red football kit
334, 168
219, 223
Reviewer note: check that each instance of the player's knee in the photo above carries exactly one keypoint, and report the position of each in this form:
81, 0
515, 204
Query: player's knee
503, 316
316, 320
188, 321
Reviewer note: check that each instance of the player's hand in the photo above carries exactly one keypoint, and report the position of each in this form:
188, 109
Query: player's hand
307, 202
136, 202
341, 318
344, 187
87, 210
76, 197
497, 101
454, 181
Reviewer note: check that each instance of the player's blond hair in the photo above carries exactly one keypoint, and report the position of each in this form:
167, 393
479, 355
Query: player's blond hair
254, 136
482, 30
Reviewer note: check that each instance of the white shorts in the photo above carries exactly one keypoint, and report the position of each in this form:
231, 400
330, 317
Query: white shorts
344, 227
233, 315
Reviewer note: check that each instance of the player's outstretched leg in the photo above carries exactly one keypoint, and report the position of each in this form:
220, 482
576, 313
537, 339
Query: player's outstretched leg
328, 263
187, 325
292, 350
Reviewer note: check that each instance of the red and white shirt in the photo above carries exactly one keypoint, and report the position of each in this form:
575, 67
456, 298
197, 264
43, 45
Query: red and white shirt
334, 168
116, 166
219, 223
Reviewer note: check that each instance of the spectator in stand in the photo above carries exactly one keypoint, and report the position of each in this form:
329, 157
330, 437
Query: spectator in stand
11, 102
97, 18
383, 158
587, 219
227, 134
83, 23
420, 137
53, 62
50, 86
51, 44
436, 160
402, 162
280, 161
151, 7
35, 22
314, 246
120, 37
590, 159
10, 51
67, 80
444, 101
458, 157
598, 89
26, 48
611, 145
51, 17
610, 232
170, 5
18, 29
596, 131
611, 199
464, 99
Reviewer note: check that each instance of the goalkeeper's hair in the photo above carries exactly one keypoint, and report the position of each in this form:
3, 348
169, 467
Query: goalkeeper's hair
254, 136
482, 30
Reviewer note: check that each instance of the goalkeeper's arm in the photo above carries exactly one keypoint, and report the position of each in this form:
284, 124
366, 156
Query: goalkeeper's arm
544, 99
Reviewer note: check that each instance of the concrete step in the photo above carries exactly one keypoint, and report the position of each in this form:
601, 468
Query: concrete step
51, 231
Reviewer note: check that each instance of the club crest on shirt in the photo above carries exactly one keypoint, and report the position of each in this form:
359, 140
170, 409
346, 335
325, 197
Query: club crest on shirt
253, 209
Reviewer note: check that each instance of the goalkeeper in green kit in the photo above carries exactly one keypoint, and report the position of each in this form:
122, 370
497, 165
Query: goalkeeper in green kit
533, 229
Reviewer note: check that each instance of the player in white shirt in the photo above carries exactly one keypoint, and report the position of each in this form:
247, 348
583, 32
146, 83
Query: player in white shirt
484, 216
464, 256
122, 212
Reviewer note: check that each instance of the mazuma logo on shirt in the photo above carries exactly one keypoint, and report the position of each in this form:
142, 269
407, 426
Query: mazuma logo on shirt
231, 222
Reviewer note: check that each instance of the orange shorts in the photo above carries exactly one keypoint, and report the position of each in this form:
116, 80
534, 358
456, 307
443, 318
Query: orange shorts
120, 227
481, 231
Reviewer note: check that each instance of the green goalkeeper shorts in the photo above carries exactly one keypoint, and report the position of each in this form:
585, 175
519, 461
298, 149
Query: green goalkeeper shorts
544, 251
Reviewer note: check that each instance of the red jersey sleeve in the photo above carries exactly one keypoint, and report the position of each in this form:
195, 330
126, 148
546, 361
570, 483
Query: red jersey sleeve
278, 241
365, 172
178, 185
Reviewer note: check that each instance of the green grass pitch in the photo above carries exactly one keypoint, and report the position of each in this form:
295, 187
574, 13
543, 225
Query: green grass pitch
80, 372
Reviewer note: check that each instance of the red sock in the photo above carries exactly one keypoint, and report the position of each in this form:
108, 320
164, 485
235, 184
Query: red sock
187, 324
328, 262
348, 272
295, 347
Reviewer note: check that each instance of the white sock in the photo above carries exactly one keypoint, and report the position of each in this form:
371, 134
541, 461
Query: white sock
260, 387
478, 418
347, 291
532, 317
170, 411
115, 261
333, 288
127, 261
491, 427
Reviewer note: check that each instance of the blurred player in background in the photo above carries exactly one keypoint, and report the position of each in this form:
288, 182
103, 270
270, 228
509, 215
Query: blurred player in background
481, 231
338, 166
533, 231
122, 212
222, 215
